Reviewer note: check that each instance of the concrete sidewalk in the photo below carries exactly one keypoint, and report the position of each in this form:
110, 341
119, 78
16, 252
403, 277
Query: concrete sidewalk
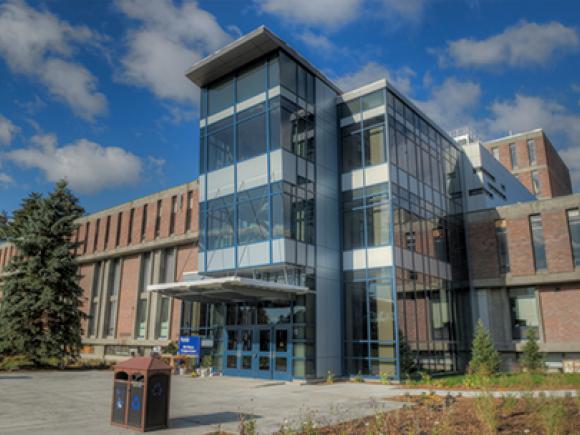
79, 403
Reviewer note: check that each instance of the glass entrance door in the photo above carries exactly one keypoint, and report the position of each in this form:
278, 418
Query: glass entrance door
258, 351
282, 353
239, 351
263, 353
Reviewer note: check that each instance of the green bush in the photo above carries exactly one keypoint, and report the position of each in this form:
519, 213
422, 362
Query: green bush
532, 360
484, 358
171, 348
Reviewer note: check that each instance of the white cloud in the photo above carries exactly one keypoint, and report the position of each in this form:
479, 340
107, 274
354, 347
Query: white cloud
520, 45
373, 71
317, 42
88, 166
451, 103
5, 179
34, 43
168, 40
329, 13
408, 10
7, 131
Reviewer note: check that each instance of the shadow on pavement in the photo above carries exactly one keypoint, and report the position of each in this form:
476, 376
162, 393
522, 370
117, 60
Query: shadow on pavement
208, 419
15, 377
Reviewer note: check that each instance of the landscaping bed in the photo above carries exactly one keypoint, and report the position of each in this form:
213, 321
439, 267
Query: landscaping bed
501, 382
14, 363
431, 414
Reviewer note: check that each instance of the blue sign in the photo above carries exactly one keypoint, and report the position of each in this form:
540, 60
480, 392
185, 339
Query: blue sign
190, 346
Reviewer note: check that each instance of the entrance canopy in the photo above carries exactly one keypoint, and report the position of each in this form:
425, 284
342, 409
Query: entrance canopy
228, 289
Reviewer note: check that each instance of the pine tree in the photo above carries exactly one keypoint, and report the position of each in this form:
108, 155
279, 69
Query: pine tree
532, 360
40, 316
406, 356
485, 360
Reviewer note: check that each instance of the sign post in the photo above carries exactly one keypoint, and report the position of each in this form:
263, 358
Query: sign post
190, 346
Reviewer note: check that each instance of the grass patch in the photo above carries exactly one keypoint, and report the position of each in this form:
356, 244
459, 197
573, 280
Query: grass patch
19, 362
507, 381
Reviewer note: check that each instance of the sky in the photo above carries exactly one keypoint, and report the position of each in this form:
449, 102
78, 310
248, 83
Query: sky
95, 91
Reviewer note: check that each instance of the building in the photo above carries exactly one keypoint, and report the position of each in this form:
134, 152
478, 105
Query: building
325, 228
532, 158
525, 273
488, 183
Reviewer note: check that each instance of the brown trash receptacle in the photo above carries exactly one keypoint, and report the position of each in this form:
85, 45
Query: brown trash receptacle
141, 388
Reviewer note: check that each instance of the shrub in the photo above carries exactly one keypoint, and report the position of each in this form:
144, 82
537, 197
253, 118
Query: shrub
207, 361
171, 348
486, 410
553, 415
330, 377
406, 356
532, 360
484, 358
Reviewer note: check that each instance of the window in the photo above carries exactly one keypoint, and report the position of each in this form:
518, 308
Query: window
495, 152
351, 148
94, 302
251, 82
220, 147
96, 239
532, 151
158, 218
374, 141
130, 232
166, 274
173, 214
220, 223
107, 231
253, 212
502, 246
113, 285
220, 96
144, 222
86, 240
513, 155
251, 140
366, 217
524, 311
118, 233
369, 321
538, 244
536, 182
144, 281
189, 210
574, 229
372, 100
288, 73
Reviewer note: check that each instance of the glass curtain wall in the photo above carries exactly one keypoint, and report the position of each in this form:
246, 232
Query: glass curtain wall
368, 293
428, 234
265, 107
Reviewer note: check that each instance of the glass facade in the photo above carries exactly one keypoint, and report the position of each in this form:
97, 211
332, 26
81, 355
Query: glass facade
418, 213
262, 108
399, 216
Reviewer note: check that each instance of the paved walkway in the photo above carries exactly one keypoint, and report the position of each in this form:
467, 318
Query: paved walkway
79, 403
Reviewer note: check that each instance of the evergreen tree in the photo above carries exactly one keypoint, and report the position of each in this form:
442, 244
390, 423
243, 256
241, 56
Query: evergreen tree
484, 358
406, 356
532, 360
40, 316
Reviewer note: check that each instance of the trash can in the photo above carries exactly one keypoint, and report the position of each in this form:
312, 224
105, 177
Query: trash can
141, 388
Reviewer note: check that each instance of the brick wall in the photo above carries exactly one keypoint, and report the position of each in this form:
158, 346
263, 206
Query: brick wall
128, 297
560, 313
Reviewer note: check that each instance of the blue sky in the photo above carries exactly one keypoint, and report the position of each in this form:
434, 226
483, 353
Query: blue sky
95, 91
